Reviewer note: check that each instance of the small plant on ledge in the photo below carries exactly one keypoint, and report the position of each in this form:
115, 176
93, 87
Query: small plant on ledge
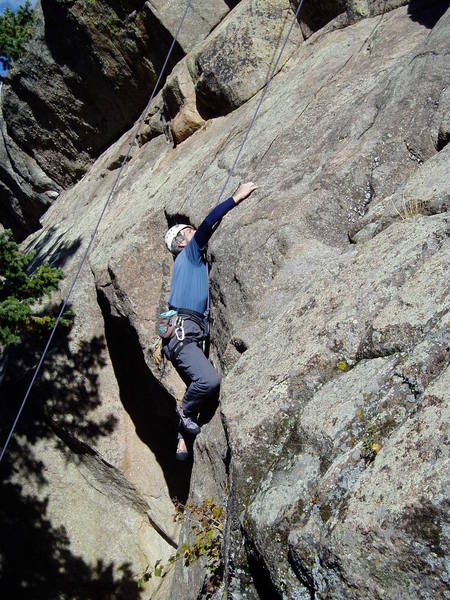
206, 521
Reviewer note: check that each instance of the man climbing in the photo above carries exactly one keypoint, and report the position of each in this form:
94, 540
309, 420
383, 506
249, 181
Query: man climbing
189, 297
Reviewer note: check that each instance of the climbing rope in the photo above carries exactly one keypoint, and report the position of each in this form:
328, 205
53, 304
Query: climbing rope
89, 246
261, 100
124, 161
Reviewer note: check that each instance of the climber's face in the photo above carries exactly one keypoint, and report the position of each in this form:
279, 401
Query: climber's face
188, 233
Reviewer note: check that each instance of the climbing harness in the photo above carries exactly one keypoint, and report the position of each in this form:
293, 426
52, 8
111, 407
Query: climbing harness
179, 331
169, 324
113, 189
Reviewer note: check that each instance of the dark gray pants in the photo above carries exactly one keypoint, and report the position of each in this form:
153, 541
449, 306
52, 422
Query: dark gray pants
200, 377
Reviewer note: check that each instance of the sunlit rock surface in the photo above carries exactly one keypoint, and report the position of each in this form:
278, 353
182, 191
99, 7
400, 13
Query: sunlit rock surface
330, 323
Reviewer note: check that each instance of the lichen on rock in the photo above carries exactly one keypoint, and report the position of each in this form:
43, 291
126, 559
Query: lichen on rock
330, 446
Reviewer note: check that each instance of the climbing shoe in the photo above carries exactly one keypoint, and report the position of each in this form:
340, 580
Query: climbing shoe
189, 426
182, 450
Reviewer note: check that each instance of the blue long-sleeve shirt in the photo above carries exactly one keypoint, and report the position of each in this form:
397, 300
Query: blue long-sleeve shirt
189, 286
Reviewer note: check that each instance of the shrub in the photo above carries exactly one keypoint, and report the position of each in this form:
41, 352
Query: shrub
21, 293
15, 31
206, 521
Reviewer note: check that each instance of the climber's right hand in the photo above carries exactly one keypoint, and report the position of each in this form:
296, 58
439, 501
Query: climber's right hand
244, 190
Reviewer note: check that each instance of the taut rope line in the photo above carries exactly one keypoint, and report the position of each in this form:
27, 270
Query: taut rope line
261, 100
88, 249
108, 201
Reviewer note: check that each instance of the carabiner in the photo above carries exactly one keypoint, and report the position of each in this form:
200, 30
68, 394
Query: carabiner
179, 331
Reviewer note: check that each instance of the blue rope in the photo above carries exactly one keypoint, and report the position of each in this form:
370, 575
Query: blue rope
88, 249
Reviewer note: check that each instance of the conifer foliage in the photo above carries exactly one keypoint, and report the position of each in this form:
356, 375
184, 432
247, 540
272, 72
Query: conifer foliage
15, 31
21, 294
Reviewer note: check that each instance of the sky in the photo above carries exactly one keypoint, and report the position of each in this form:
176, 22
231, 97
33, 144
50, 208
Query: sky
11, 4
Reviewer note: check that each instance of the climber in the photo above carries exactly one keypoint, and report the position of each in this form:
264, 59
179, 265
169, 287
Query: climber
189, 298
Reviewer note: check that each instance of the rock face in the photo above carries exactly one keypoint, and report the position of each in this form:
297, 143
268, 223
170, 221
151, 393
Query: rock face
200, 20
330, 321
25, 190
235, 61
338, 13
77, 103
62, 106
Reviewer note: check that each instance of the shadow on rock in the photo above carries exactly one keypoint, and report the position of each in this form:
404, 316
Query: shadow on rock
55, 254
316, 15
151, 408
427, 12
36, 561
64, 395
231, 3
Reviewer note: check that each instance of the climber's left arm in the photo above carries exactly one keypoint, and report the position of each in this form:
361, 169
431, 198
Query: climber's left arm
205, 231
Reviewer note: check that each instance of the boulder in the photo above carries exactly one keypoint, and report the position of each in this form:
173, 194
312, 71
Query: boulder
233, 64
222, 72
201, 18
181, 104
339, 13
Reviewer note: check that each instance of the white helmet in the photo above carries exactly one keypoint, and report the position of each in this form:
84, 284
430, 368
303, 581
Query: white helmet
172, 234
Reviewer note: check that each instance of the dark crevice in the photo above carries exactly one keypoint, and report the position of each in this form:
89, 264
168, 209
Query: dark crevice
302, 574
210, 101
411, 385
240, 345
427, 12
260, 573
151, 408
315, 14
231, 3
162, 533
227, 459
443, 140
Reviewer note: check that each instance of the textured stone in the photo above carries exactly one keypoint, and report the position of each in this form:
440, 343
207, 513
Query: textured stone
181, 104
200, 20
63, 107
334, 355
24, 187
316, 14
235, 61
86, 100
426, 192
442, 121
